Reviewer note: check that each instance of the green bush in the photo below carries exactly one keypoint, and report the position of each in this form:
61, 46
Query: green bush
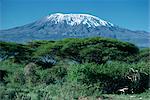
53, 75
17, 52
11, 67
112, 76
82, 50
92, 54
36, 44
144, 55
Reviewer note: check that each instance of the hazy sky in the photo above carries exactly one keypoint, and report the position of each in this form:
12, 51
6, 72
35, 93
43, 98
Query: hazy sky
132, 14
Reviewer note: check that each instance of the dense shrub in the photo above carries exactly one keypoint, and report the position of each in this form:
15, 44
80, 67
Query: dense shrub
15, 79
144, 55
112, 76
3, 73
10, 66
53, 75
92, 54
82, 50
36, 44
17, 52
46, 61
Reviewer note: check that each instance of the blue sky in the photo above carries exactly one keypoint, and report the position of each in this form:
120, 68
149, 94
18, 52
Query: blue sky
131, 14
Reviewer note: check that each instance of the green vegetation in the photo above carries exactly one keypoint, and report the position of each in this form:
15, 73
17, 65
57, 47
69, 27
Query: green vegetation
17, 52
76, 69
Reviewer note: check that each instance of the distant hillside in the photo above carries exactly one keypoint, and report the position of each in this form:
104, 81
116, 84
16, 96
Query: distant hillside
59, 26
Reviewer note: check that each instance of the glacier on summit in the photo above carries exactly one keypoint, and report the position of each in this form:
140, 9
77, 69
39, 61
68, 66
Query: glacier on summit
76, 19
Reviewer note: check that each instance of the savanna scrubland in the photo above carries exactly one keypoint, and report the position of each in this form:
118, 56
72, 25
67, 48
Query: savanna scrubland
74, 69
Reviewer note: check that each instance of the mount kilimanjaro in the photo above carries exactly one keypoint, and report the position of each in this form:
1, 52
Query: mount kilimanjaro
58, 26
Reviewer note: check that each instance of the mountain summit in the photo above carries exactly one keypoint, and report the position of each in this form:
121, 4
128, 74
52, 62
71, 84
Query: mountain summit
77, 19
58, 26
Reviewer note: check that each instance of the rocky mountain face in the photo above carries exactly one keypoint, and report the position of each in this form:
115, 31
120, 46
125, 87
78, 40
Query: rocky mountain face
58, 26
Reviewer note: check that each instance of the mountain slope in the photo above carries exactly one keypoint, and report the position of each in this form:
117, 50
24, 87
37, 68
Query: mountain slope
59, 26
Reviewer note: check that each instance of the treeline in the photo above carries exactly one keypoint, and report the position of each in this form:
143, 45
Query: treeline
98, 50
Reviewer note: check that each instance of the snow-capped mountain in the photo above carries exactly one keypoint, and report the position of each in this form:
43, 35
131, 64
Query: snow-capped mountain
77, 19
59, 26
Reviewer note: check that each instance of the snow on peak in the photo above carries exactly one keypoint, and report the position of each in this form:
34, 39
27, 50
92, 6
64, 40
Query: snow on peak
76, 19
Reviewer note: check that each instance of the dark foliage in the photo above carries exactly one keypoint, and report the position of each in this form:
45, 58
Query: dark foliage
17, 52
98, 50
